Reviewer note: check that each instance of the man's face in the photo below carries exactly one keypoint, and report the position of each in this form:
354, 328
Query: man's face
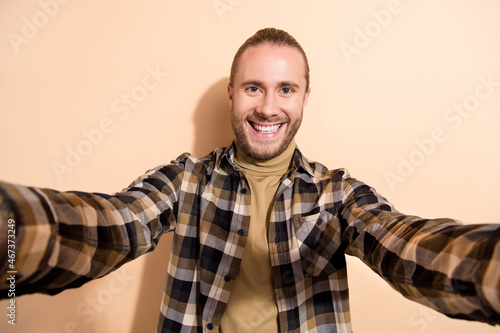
267, 99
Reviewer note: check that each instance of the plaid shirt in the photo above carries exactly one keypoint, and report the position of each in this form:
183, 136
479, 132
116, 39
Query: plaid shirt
65, 239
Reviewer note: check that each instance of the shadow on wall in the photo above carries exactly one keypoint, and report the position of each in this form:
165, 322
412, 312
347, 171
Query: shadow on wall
212, 120
212, 129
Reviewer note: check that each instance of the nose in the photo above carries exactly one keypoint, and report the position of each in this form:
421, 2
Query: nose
268, 107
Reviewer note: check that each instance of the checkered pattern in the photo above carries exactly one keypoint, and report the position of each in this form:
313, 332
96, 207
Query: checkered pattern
65, 239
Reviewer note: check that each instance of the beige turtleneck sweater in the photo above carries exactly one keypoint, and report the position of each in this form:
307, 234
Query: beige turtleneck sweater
252, 304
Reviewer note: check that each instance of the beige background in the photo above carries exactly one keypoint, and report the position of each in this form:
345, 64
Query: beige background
385, 75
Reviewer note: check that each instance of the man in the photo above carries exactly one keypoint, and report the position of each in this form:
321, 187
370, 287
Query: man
255, 223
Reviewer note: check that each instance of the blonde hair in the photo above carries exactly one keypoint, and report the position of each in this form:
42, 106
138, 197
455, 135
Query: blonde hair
275, 37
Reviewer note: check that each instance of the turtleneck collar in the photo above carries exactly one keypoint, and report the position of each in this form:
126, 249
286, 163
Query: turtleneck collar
274, 166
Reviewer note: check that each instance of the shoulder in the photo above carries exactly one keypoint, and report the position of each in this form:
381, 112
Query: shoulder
208, 162
205, 165
320, 171
184, 167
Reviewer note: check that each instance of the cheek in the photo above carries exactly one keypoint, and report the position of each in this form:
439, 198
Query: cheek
293, 108
238, 117
244, 107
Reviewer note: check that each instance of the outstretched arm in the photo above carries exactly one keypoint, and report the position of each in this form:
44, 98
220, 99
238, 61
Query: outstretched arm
56, 240
451, 267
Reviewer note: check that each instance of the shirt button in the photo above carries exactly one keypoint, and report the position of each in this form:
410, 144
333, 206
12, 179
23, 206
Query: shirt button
241, 232
210, 326
243, 191
227, 278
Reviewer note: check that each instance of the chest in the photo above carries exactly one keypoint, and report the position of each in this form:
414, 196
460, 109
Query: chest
303, 229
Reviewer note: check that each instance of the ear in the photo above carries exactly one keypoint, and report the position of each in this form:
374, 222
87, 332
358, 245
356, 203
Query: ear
230, 95
306, 97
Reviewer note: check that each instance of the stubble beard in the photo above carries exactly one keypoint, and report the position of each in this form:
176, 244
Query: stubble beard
264, 150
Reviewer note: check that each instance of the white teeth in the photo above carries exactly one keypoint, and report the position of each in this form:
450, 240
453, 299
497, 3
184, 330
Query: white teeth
266, 129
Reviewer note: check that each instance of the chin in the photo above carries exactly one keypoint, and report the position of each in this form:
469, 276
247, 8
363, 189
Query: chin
265, 151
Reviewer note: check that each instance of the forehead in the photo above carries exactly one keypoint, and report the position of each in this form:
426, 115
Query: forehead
272, 62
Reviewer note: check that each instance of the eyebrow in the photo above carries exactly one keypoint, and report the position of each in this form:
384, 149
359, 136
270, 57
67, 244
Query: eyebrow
251, 83
260, 83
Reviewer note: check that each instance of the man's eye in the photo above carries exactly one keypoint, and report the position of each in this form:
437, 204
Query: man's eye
286, 90
252, 89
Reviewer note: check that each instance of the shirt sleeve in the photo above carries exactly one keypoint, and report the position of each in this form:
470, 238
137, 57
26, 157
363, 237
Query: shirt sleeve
55, 240
449, 266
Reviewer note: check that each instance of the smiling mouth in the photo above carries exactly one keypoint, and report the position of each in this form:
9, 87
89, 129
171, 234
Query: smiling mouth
266, 129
